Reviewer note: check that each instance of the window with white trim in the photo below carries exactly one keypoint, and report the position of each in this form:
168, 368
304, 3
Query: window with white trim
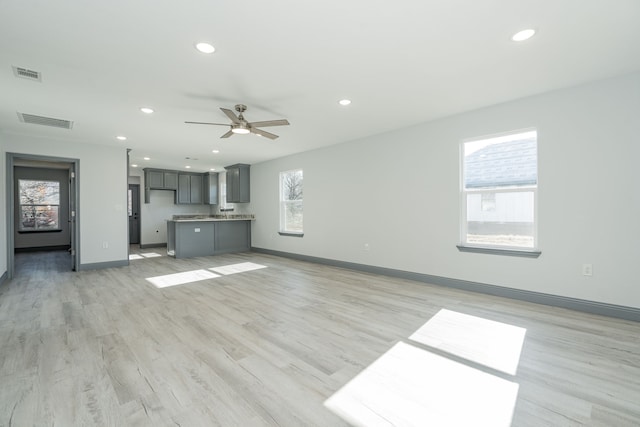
499, 192
291, 201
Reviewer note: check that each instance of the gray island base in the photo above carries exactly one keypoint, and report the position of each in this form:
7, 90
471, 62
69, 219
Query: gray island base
188, 238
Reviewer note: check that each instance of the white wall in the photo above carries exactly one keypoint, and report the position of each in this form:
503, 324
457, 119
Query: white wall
103, 194
399, 192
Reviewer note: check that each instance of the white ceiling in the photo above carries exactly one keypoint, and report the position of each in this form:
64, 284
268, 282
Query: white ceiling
400, 62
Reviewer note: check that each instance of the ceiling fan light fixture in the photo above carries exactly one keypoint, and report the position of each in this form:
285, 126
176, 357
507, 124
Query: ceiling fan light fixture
240, 129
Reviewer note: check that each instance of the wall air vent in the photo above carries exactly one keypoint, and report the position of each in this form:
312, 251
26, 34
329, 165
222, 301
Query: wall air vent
27, 74
45, 121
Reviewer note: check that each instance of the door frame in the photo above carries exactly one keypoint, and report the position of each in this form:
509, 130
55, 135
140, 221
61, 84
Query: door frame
74, 198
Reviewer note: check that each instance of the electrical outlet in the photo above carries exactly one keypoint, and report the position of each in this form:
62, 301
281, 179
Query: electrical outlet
587, 270
105, 245
367, 247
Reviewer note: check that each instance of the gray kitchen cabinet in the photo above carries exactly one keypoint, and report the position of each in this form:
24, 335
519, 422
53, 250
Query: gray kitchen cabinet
190, 239
170, 180
189, 189
210, 188
156, 179
196, 189
159, 179
232, 236
238, 183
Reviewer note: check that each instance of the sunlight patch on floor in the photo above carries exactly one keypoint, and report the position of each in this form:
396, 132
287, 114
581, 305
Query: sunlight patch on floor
197, 275
144, 255
181, 278
409, 386
150, 254
493, 344
237, 268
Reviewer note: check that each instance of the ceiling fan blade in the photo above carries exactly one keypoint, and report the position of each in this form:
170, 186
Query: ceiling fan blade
266, 123
231, 115
227, 135
263, 133
207, 123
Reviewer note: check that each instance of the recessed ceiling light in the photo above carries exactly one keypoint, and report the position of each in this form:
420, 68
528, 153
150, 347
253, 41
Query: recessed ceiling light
134, 166
147, 158
205, 47
523, 35
146, 110
121, 138
188, 167
215, 151
212, 169
344, 102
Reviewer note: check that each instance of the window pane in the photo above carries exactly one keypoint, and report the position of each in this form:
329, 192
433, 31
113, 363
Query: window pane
292, 188
293, 216
510, 223
38, 217
34, 192
506, 161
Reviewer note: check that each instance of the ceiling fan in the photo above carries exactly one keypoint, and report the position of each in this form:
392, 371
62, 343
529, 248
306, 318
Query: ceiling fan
241, 126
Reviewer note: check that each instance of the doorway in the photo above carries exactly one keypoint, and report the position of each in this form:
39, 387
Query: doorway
134, 214
42, 214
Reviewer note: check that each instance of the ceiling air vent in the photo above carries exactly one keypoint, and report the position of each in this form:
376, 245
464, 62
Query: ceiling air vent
27, 74
45, 121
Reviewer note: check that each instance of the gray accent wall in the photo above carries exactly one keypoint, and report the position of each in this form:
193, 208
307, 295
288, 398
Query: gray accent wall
392, 200
55, 238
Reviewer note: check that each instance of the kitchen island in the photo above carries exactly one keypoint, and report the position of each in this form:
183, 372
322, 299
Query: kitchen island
192, 236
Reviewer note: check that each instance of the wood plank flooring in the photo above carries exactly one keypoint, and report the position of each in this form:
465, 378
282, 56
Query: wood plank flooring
268, 347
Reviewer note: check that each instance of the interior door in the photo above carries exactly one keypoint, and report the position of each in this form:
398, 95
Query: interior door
134, 214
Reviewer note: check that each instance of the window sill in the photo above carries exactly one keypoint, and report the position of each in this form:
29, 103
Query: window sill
57, 230
290, 234
494, 251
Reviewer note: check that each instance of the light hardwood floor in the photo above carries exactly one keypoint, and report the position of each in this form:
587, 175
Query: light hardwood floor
271, 345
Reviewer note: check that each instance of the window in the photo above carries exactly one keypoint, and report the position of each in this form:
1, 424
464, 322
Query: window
222, 202
39, 205
291, 208
499, 192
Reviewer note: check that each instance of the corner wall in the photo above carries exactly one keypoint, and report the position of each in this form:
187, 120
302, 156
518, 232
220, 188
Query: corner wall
103, 195
399, 193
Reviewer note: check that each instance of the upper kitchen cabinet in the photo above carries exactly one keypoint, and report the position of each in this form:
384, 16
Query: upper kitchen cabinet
159, 179
189, 189
238, 183
210, 187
